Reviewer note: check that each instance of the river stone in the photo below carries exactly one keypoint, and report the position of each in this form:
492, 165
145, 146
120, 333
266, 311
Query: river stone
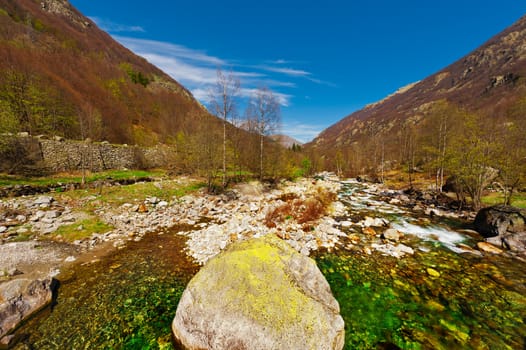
43, 200
503, 226
259, 294
499, 219
488, 248
21, 298
392, 234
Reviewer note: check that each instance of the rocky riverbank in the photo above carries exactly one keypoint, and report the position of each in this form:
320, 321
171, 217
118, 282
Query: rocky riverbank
211, 222
366, 219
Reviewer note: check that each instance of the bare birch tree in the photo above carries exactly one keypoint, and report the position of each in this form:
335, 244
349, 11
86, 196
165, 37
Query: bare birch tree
264, 118
223, 104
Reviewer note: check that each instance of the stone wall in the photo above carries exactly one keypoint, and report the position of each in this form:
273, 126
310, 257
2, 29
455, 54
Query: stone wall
68, 155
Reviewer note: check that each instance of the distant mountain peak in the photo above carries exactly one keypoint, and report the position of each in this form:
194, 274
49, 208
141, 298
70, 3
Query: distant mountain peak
285, 140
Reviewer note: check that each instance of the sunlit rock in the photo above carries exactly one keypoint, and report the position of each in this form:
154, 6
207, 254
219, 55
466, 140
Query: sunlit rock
20, 299
259, 294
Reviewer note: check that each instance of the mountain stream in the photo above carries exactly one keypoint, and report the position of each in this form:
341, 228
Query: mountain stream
430, 290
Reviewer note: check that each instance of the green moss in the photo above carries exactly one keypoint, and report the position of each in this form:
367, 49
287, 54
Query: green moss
384, 300
125, 301
82, 229
252, 277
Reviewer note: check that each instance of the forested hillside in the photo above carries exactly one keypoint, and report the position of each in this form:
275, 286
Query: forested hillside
467, 120
61, 75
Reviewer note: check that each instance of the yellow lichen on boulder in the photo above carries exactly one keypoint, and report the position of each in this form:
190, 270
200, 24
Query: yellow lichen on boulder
259, 294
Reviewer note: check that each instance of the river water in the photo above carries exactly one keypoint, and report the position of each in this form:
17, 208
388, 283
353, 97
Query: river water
439, 297
443, 296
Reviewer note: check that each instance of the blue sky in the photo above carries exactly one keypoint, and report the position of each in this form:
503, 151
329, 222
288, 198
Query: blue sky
323, 59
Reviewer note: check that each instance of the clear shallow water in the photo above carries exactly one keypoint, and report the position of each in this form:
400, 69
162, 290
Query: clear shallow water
434, 299
125, 301
439, 298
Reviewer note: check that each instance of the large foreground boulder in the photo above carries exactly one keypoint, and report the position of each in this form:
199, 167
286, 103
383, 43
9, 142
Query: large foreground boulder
19, 300
504, 226
259, 294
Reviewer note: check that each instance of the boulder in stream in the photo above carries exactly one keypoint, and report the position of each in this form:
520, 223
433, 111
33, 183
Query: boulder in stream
259, 294
504, 226
19, 300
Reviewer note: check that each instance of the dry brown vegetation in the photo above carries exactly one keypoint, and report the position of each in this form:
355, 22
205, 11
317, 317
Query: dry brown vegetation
303, 211
99, 89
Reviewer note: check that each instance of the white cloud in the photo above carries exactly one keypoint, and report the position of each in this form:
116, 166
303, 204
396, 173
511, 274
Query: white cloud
182, 71
287, 71
113, 27
170, 50
294, 73
197, 70
283, 99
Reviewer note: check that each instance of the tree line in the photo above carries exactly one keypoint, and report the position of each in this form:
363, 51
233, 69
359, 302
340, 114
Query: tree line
235, 145
241, 147
465, 150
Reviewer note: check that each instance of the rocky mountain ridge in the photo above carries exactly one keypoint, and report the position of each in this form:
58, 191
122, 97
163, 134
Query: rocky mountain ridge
490, 80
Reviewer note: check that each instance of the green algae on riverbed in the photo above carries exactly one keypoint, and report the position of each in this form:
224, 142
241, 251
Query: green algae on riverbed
125, 301
467, 302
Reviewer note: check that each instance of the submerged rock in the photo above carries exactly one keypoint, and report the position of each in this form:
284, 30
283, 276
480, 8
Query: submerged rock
259, 294
20, 299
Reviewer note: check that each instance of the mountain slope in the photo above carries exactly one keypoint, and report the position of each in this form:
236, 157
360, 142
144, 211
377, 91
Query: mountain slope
60, 74
285, 140
490, 82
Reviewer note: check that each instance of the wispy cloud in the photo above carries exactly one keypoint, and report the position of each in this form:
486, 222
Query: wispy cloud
203, 95
142, 46
287, 71
186, 74
113, 27
322, 82
283, 99
293, 72
197, 70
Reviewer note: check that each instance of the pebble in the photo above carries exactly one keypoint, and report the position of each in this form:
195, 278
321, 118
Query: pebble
346, 224
392, 234
488, 248
432, 272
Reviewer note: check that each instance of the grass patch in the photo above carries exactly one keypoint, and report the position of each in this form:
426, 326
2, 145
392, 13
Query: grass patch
118, 195
82, 229
494, 198
76, 177
23, 237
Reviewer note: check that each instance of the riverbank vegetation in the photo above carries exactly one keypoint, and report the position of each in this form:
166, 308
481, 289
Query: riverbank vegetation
454, 149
